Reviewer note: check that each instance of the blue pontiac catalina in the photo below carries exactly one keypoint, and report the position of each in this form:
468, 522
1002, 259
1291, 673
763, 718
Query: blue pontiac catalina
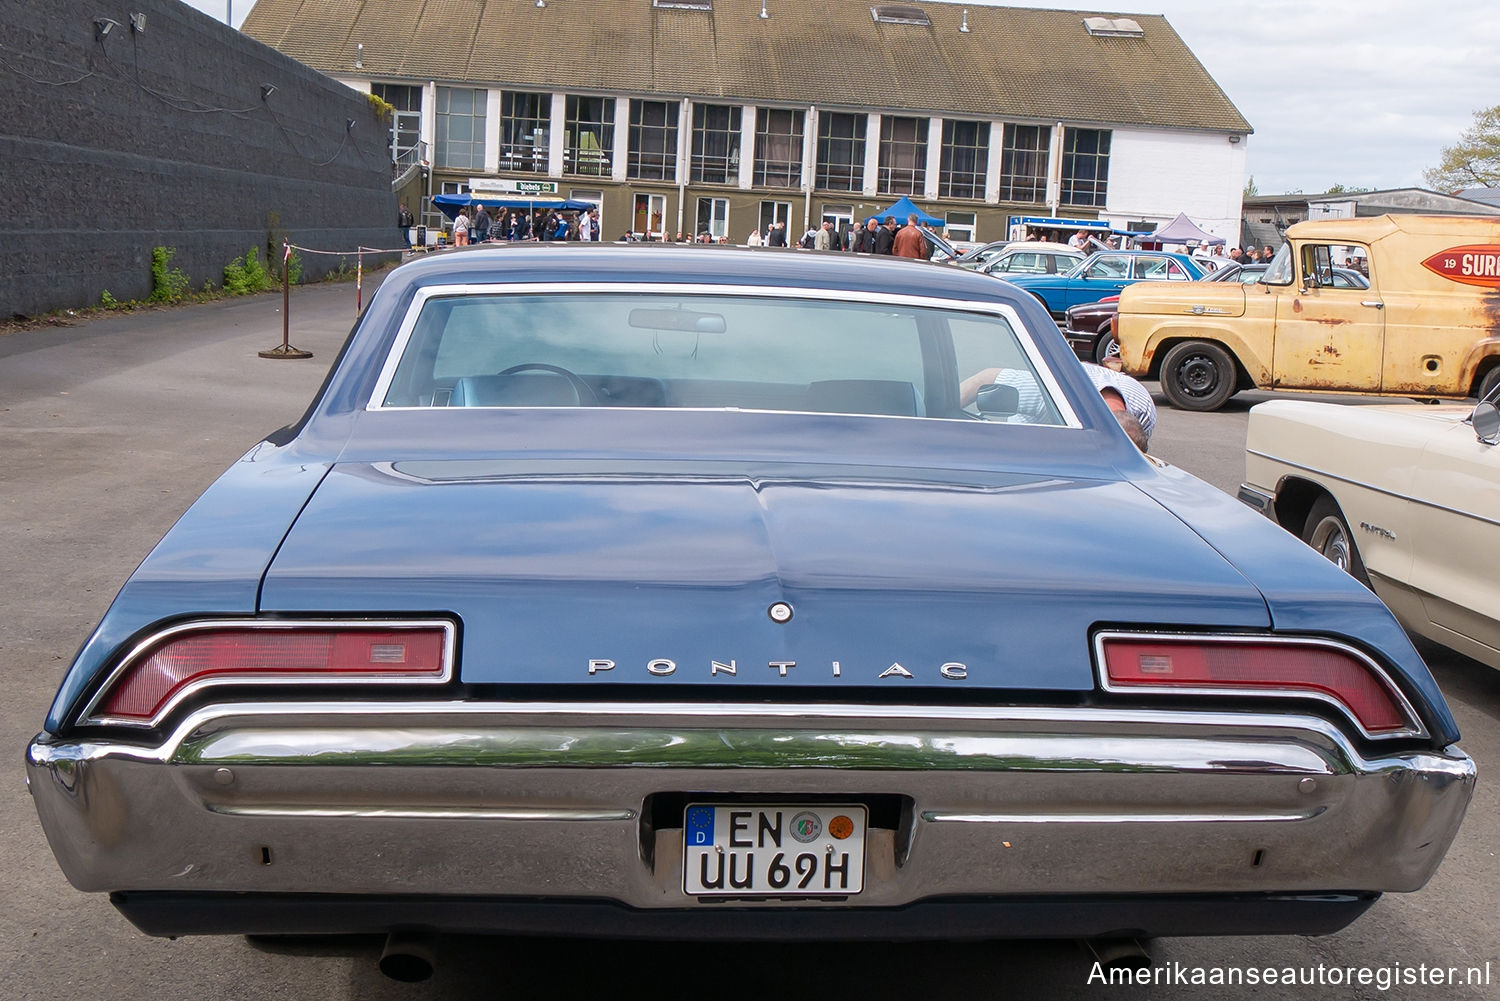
1104, 274
677, 591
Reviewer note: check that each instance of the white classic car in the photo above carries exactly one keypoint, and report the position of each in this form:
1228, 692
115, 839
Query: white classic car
1406, 498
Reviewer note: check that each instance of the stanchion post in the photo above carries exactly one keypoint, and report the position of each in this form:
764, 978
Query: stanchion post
286, 294
359, 280
285, 349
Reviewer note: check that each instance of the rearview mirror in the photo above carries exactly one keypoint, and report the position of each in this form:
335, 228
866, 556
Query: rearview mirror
685, 320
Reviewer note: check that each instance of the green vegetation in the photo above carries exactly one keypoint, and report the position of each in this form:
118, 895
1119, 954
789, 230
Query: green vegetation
1473, 161
245, 275
166, 286
383, 108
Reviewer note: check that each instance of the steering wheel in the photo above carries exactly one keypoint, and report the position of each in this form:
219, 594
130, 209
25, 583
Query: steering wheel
580, 388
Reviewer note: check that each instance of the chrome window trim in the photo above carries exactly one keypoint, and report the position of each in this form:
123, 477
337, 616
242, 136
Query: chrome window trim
1004, 311
160, 636
1414, 728
794, 714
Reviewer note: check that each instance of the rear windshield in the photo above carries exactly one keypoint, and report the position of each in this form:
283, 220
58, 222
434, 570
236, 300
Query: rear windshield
664, 350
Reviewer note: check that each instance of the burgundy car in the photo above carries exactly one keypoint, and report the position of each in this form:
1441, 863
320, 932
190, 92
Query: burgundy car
1090, 329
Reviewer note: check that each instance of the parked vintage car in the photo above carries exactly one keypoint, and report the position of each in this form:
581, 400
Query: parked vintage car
1402, 497
674, 591
1106, 273
1090, 327
1249, 274
1424, 324
1034, 258
974, 258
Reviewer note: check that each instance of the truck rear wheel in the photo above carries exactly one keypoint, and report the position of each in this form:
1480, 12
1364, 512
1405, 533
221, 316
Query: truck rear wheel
1198, 375
1489, 382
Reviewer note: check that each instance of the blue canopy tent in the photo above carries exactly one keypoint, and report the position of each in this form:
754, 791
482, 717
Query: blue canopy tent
450, 204
904, 207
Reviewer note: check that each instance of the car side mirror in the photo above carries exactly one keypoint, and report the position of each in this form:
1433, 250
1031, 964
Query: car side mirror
1486, 421
1000, 400
1310, 281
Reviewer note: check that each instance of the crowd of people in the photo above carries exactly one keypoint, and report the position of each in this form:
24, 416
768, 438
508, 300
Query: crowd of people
874, 237
1251, 255
478, 224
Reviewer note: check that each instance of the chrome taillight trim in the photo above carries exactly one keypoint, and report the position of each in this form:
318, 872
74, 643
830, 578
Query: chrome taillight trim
1414, 728
88, 715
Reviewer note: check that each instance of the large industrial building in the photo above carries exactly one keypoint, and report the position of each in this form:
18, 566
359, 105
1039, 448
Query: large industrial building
726, 115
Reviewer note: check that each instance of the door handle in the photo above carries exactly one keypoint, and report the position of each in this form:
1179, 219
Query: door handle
1373, 304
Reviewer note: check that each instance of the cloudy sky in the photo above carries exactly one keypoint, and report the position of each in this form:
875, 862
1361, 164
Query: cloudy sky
1361, 93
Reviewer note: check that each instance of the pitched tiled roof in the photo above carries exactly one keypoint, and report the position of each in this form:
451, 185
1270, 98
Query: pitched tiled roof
1012, 63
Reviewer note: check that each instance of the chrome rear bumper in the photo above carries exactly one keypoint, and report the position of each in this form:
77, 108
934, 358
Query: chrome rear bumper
554, 801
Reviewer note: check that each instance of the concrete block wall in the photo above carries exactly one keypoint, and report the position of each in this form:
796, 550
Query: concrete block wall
113, 146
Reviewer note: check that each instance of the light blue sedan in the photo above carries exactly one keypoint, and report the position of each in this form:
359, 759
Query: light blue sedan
1105, 274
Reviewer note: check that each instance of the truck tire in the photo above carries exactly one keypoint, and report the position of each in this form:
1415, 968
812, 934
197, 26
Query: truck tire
1489, 382
1198, 375
1328, 533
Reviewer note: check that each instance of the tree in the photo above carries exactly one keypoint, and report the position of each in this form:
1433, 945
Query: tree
1346, 189
1250, 189
1473, 161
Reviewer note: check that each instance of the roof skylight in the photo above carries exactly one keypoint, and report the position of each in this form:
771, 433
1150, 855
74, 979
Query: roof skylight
1114, 27
900, 14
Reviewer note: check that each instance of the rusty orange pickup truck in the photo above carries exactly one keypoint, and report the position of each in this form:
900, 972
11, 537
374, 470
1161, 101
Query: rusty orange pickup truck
1427, 327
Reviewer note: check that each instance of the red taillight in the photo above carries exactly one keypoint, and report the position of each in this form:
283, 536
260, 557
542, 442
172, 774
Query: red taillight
227, 654
1259, 667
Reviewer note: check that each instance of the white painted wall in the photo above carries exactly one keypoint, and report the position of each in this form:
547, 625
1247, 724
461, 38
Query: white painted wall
1154, 175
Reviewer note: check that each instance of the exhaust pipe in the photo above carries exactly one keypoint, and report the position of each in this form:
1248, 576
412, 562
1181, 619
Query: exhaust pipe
407, 957
1120, 953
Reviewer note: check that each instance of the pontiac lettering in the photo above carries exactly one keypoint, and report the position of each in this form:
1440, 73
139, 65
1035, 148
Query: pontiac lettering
662, 667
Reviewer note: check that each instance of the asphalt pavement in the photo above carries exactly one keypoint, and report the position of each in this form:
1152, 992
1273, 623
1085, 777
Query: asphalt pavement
108, 431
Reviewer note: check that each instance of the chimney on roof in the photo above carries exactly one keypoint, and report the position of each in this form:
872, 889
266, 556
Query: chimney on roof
965, 26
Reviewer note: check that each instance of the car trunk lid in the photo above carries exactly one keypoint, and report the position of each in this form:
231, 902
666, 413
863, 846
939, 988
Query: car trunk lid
650, 577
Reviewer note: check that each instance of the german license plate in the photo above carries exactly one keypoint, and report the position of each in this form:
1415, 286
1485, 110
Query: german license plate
781, 851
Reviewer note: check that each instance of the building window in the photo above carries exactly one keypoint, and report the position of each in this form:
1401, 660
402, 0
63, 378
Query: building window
774, 212
589, 144
524, 121
841, 151
842, 217
1023, 163
653, 141
650, 210
903, 155
406, 120
713, 217
959, 226
778, 148
716, 144
965, 159
459, 128
1085, 167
